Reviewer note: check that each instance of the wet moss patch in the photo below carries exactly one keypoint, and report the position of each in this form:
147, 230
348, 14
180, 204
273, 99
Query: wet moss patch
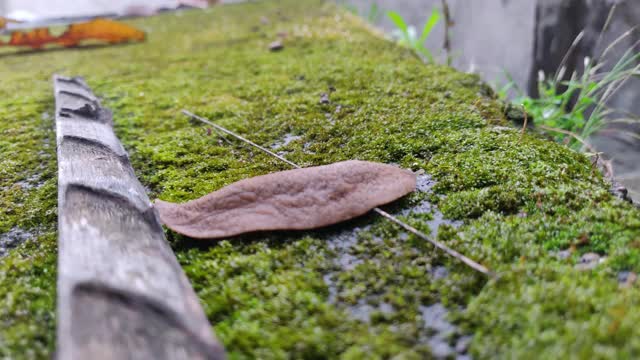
336, 91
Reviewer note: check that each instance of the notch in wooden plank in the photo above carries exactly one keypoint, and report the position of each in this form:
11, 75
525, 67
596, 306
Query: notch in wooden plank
121, 291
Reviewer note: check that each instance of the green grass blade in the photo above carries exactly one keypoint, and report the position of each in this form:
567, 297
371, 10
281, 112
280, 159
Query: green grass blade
374, 13
427, 54
399, 22
430, 24
511, 80
352, 9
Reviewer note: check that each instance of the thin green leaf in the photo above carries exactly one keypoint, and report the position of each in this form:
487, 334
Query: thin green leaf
352, 9
430, 24
374, 13
399, 22
426, 53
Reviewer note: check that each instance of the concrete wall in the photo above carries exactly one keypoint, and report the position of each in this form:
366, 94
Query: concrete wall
489, 37
492, 37
523, 37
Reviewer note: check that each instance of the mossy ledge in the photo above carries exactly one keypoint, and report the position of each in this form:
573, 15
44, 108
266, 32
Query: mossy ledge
520, 200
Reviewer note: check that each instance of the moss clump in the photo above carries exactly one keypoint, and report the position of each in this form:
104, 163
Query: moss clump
27, 299
553, 310
28, 199
520, 199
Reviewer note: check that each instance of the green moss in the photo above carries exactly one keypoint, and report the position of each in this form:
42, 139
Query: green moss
521, 199
27, 299
553, 311
27, 205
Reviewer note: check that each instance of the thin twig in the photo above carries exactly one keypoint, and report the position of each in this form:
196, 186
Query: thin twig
448, 23
218, 127
222, 136
472, 264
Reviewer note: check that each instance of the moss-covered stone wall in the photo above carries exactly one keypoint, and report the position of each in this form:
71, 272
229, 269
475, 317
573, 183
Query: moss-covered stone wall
523, 206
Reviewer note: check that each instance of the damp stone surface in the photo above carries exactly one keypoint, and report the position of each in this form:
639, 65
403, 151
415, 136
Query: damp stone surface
12, 239
517, 201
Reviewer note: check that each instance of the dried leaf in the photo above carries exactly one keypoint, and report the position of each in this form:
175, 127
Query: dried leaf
35, 38
289, 200
99, 29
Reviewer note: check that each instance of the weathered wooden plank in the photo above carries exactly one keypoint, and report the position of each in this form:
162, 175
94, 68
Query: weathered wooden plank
121, 291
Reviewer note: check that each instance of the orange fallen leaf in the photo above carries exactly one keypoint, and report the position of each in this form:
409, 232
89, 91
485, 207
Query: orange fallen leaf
297, 199
106, 30
35, 38
110, 31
